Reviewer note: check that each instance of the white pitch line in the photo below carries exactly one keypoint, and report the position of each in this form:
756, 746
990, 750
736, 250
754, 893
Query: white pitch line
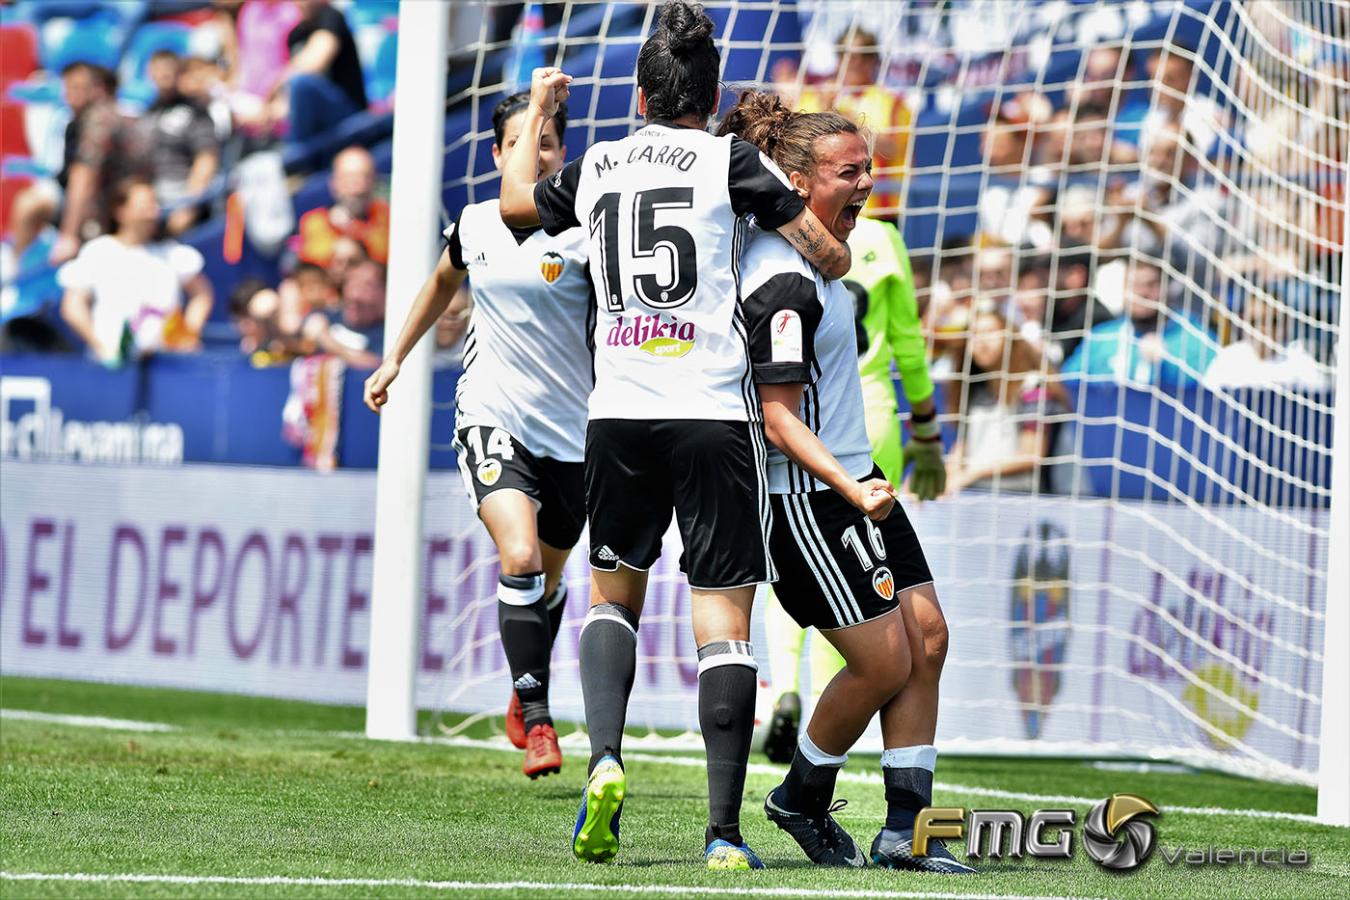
698, 762
872, 778
29, 715
555, 887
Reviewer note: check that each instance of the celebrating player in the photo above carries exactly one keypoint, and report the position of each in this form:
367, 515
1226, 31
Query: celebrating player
520, 412
887, 314
674, 420
849, 562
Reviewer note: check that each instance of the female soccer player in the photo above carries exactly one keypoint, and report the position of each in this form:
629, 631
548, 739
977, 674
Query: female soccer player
887, 314
849, 563
520, 412
674, 420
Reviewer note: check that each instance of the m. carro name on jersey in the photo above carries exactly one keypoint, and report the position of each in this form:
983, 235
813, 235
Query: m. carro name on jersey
680, 158
660, 335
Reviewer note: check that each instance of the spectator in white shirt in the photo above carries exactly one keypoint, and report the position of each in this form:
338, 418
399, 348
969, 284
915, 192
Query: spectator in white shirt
1262, 358
124, 291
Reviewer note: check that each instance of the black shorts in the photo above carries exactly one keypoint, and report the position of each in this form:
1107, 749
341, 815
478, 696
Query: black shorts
838, 568
557, 488
710, 474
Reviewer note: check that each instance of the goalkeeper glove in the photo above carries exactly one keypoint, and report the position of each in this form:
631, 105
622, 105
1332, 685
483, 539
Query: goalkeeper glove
929, 478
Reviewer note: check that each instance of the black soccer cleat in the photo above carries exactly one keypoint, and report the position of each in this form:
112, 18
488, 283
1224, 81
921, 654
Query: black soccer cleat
895, 850
781, 740
822, 839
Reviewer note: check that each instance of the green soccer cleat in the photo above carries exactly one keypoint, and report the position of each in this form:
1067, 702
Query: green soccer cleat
596, 837
724, 856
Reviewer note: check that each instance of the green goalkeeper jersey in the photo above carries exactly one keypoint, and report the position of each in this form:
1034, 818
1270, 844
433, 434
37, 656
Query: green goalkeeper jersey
882, 284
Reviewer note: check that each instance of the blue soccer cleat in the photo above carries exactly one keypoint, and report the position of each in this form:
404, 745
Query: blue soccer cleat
596, 838
725, 856
894, 849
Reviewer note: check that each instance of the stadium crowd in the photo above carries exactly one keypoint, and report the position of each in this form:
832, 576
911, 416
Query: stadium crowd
1104, 244
130, 124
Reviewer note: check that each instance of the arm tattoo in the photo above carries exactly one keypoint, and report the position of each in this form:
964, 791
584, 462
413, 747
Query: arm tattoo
808, 239
833, 255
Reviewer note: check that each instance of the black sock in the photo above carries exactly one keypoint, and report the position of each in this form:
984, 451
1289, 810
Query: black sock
908, 790
808, 787
726, 713
608, 656
523, 620
557, 605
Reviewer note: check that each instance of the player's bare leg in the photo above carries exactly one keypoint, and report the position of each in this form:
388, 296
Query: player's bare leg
726, 712
877, 665
607, 652
908, 727
527, 636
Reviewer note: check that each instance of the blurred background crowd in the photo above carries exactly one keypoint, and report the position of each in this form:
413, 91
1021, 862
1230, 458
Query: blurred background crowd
143, 140
208, 177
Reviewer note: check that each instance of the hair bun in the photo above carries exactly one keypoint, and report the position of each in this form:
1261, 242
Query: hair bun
760, 117
686, 26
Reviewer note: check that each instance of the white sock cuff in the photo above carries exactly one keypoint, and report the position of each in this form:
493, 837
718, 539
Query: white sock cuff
920, 756
816, 756
726, 653
559, 595
521, 590
610, 612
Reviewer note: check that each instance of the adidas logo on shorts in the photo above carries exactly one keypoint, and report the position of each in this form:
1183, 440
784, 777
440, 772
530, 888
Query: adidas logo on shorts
527, 682
607, 554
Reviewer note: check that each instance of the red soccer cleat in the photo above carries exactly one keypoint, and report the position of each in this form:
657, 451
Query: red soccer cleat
542, 755
515, 722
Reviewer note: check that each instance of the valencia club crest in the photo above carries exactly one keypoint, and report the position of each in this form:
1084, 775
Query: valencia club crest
551, 266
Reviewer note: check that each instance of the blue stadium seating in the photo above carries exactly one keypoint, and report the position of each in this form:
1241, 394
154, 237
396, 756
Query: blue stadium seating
380, 80
1212, 447
96, 39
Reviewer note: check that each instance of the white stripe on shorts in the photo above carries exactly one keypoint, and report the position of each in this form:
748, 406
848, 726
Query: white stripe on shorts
809, 552
815, 532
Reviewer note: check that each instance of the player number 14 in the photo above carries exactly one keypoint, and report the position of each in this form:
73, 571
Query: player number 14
498, 443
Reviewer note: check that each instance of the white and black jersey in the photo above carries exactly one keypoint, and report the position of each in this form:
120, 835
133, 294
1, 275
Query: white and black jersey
802, 331
527, 362
666, 212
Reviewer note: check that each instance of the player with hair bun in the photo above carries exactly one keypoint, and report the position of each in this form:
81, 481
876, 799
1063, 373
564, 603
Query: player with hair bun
849, 563
520, 413
674, 419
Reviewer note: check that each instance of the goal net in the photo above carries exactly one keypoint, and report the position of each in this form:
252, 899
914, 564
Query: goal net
1126, 225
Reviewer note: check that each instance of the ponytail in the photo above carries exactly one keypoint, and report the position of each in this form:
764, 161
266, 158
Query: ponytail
787, 137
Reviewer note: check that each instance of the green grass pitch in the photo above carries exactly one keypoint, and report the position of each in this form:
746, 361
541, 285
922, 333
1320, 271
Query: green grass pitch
248, 788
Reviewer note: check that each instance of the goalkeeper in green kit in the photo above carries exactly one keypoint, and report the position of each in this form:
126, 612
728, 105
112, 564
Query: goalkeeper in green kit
882, 285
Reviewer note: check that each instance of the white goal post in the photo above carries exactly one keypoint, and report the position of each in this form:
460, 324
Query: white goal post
405, 423
1165, 505
1333, 784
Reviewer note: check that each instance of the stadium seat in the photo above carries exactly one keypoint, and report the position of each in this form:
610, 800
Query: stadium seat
365, 13
13, 140
380, 77
18, 54
96, 40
